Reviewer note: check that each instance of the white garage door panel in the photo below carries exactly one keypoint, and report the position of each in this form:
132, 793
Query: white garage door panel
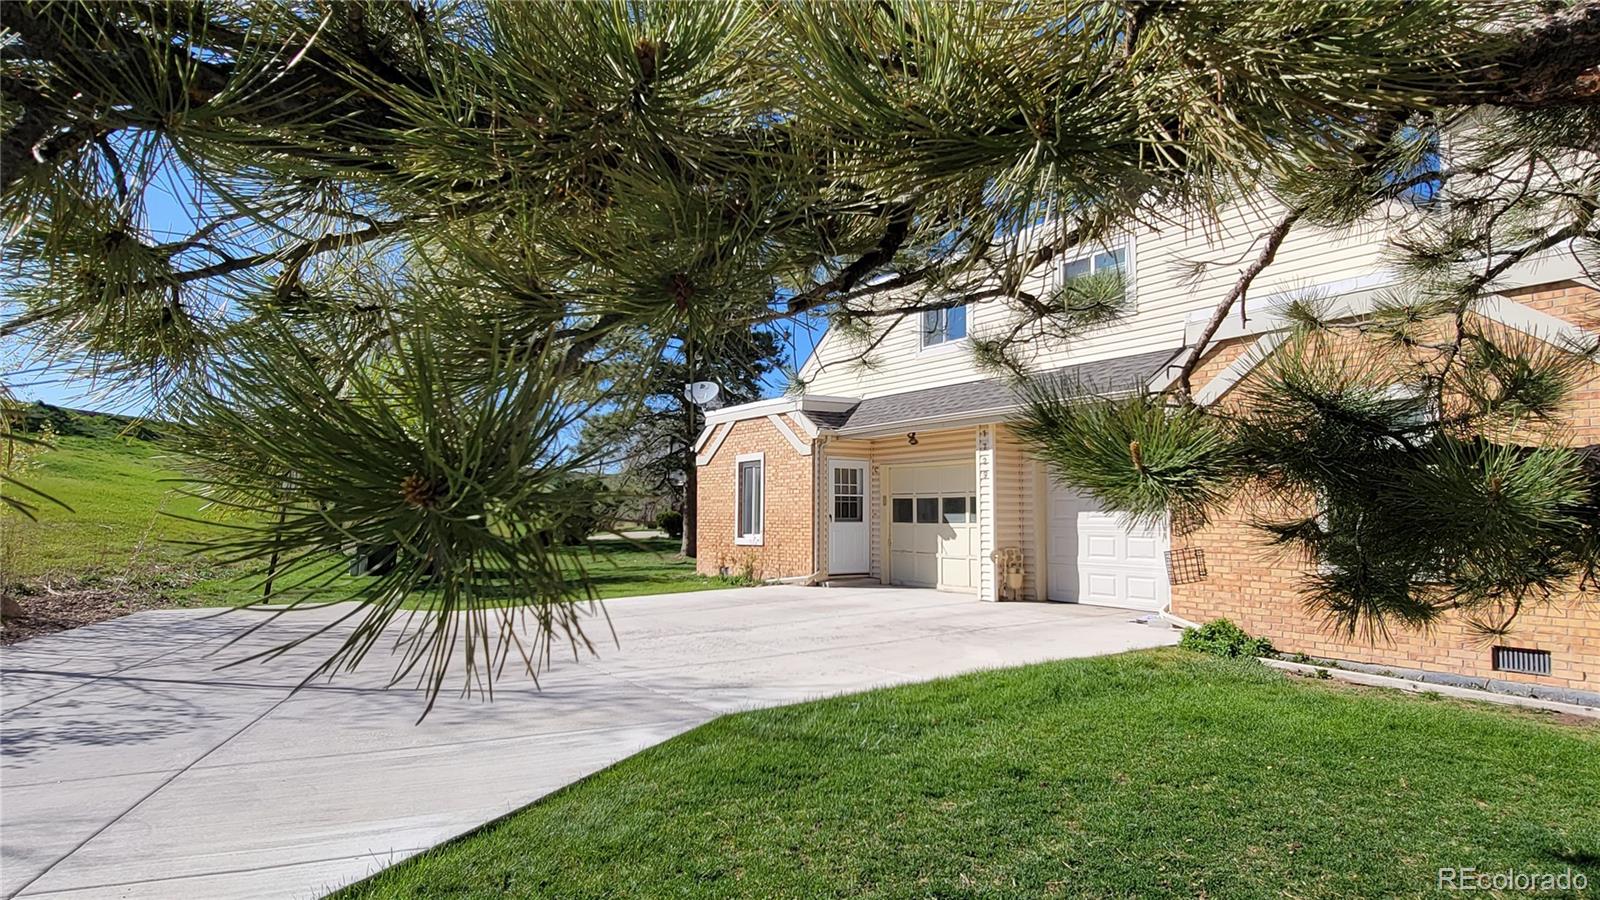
938, 546
1098, 557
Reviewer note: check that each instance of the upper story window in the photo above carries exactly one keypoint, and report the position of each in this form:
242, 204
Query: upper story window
1100, 262
941, 326
1097, 285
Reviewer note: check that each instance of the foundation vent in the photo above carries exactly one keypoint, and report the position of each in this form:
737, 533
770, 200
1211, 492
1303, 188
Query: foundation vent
1526, 662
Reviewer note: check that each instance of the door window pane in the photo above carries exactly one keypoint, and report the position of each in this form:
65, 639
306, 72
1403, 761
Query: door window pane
955, 510
846, 509
927, 510
902, 509
847, 481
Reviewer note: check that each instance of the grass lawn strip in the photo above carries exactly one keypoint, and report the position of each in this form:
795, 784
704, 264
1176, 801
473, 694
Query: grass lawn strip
1157, 773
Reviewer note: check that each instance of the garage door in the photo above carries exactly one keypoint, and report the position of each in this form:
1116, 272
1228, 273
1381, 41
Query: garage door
1097, 557
933, 526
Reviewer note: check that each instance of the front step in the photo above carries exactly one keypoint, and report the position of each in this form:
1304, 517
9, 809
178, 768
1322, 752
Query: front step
850, 581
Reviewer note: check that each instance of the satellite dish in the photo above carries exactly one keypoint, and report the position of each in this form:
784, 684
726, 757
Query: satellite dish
702, 393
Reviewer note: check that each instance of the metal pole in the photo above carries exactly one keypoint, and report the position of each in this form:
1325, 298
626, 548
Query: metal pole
690, 499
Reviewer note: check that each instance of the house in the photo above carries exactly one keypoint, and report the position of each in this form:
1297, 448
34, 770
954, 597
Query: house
905, 471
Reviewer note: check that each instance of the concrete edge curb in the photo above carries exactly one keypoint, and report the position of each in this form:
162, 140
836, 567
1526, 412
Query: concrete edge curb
1423, 687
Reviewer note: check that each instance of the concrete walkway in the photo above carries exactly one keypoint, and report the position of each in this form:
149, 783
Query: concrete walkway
132, 767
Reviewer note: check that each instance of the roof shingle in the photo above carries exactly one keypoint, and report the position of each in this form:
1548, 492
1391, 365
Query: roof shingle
993, 395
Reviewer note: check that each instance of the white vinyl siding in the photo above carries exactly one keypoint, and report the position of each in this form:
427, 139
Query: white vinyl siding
1015, 506
1178, 269
954, 445
1016, 516
749, 498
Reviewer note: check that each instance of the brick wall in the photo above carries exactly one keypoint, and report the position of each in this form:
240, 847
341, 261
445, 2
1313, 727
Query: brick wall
786, 548
1258, 588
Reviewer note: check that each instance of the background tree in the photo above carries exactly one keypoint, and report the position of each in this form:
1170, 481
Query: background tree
650, 440
418, 234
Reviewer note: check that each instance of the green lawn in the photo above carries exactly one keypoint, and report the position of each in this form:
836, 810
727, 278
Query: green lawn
121, 491
1158, 773
615, 568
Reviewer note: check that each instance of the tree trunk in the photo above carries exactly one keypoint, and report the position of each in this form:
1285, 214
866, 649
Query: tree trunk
690, 481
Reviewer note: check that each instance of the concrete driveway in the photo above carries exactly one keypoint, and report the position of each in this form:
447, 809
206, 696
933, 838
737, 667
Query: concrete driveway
132, 767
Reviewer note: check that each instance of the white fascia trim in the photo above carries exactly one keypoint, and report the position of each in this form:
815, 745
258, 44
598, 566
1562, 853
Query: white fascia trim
705, 434
814, 358
800, 447
759, 408
1358, 295
1494, 307
1559, 263
753, 410
1542, 325
704, 459
1241, 367
1345, 297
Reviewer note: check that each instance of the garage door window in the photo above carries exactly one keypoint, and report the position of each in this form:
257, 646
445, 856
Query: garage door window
902, 509
749, 500
927, 510
955, 511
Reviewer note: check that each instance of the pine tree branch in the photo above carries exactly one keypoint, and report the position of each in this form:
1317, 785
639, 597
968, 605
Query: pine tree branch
1263, 259
894, 236
1554, 63
290, 257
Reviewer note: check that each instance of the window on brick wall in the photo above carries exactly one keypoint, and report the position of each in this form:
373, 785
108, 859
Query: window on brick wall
749, 498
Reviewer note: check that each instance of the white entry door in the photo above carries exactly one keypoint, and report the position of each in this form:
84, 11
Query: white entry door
848, 544
933, 526
1098, 557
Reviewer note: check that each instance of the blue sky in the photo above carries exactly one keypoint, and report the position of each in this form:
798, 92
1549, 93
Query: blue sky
167, 208
62, 387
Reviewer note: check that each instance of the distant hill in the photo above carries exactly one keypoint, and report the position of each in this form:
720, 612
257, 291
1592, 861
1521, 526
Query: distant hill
87, 423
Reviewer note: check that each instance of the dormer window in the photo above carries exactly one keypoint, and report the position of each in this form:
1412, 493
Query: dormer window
941, 326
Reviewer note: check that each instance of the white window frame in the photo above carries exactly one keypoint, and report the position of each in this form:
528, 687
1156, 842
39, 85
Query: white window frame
923, 342
756, 538
1129, 266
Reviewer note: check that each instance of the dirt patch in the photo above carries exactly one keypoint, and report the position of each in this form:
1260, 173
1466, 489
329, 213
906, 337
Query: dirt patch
47, 608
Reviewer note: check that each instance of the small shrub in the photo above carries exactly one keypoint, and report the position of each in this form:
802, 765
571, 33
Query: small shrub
1221, 637
580, 506
745, 576
670, 521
